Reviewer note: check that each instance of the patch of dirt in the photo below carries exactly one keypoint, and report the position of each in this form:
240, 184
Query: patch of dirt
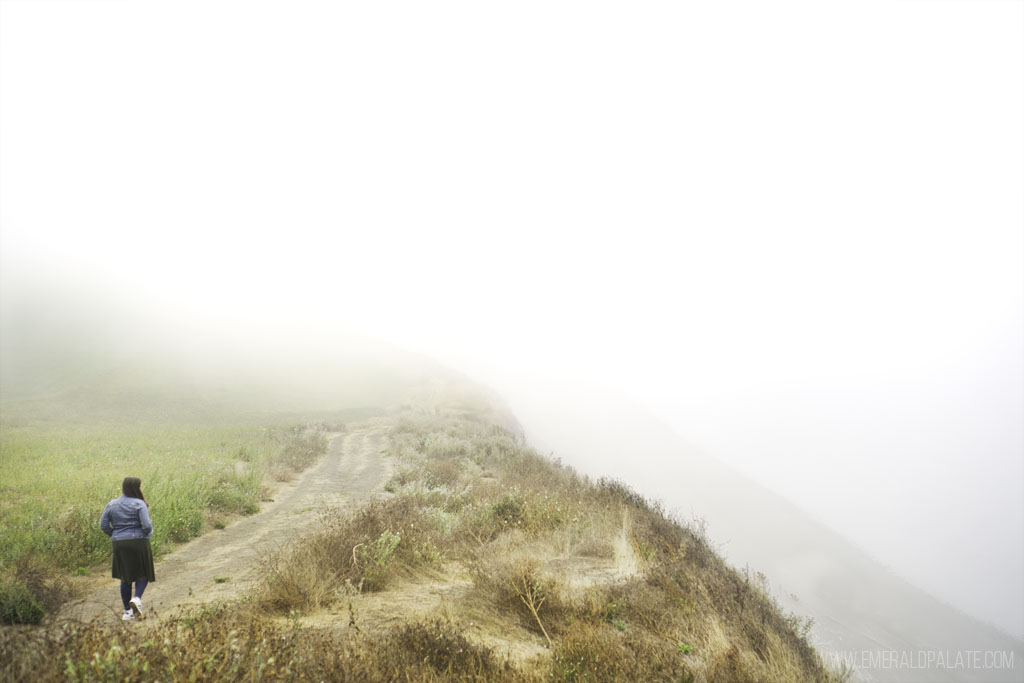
448, 594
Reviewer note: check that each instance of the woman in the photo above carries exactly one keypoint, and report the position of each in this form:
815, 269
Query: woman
126, 521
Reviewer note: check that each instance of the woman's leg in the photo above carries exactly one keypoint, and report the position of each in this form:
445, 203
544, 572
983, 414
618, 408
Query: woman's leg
126, 593
140, 585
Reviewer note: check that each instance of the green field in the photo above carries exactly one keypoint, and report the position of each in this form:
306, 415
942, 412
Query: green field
55, 482
62, 461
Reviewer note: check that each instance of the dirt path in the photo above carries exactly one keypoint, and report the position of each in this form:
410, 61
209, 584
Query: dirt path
353, 468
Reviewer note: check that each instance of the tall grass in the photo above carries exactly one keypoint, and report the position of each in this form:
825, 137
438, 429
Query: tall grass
56, 477
55, 484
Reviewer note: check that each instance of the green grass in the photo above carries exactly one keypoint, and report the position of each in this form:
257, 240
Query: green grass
18, 605
60, 466
55, 482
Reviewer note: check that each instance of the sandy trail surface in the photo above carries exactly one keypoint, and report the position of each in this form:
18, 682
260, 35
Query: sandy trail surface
352, 470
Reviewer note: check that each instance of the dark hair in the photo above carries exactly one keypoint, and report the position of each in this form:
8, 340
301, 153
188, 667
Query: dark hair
132, 487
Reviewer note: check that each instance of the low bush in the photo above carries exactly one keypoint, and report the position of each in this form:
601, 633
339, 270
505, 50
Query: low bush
590, 651
442, 473
29, 588
18, 605
442, 647
302, 446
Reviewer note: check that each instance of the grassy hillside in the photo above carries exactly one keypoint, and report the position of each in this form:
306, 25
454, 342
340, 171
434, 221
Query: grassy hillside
483, 561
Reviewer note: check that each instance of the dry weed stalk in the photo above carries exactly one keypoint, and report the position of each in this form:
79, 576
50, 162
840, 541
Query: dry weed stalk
533, 597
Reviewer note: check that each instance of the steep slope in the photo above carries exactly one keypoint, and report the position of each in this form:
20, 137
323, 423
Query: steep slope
860, 609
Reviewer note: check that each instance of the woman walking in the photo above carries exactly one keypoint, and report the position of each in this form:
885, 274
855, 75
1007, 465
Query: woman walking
126, 521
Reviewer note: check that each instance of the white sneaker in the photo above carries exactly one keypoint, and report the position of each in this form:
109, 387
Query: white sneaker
135, 605
128, 616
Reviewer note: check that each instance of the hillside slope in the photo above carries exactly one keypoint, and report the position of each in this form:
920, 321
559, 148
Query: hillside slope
483, 561
858, 606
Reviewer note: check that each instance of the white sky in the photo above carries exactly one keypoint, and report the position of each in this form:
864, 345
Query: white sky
793, 229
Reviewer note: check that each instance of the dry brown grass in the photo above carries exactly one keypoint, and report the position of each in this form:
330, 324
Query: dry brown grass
221, 643
516, 586
360, 550
618, 587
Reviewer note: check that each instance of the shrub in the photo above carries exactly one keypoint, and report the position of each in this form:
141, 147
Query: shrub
376, 558
442, 647
437, 445
302, 447
29, 589
621, 492
441, 473
509, 511
18, 605
590, 651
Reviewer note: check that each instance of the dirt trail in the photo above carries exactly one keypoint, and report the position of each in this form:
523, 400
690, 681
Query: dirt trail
353, 468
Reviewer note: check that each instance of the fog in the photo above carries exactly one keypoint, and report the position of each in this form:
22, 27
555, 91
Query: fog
793, 231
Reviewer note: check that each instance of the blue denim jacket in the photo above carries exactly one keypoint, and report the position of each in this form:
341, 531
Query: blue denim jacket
126, 517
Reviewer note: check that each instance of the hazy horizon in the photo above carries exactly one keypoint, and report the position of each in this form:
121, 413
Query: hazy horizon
792, 231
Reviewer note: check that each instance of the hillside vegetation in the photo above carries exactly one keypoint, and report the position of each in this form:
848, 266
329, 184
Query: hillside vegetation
482, 561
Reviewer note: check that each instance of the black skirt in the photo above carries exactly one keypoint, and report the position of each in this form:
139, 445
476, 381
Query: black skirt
133, 560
